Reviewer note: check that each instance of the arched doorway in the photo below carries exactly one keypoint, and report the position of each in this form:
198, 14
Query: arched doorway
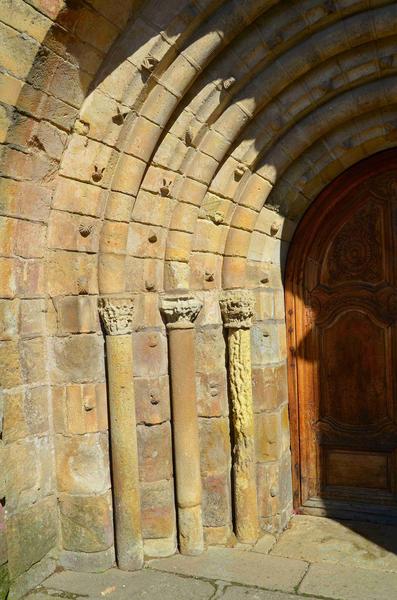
341, 307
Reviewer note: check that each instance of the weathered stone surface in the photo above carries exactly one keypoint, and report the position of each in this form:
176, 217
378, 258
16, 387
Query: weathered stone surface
155, 452
144, 584
36, 574
11, 373
25, 413
216, 501
212, 400
160, 547
238, 592
337, 581
86, 522
152, 399
269, 387
4, 582
268, 485
150, 354
31, 534
88, 562
158, 509
30, 472
79, 409
317, 539
247, 568
267, 436
78, 358
215, 449
82, 463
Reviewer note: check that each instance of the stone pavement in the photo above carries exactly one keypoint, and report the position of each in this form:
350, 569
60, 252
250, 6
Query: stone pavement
315, 558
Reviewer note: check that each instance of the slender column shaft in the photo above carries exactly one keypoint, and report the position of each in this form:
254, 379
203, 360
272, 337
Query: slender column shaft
180, 314
117, 317
237, 311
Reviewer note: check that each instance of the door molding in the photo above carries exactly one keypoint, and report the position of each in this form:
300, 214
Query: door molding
323, 209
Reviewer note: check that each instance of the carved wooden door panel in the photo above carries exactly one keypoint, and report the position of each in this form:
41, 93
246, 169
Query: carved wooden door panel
342, 323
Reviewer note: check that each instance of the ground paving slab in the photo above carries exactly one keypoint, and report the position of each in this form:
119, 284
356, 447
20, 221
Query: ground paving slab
314, 559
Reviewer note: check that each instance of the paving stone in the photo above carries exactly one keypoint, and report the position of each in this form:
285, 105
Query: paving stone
265, 544
335, 581
120, 585
317, 539
247, 568
243, 593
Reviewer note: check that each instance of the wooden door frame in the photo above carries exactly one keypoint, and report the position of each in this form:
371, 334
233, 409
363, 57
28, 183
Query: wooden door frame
323, 207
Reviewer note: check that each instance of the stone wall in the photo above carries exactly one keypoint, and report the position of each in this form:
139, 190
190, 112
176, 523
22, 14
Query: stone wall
147, 152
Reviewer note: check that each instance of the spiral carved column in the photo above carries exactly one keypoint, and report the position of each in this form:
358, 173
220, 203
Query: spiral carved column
116, 315
237, 309
180, 314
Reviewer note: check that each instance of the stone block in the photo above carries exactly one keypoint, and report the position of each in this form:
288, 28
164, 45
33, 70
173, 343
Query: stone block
83, 463
72, 273
142, 139
34, 359
216, 501
119, 206
264, 344
112, 273
9, 272
86, 522
77, 314
158, 512
269, 387
31, 278
79, 358
215, 451
268, 493
160, 547
212, 398
144, 275
267, 436
150, 353
87, 562
17, 51
114, 237
31, 534
9, 319
33, 317
155, 452
68, 231
25, 413
152, 400
128, 175
218, 536
29, 475
76, 196
210, 348
80, 409
11, 372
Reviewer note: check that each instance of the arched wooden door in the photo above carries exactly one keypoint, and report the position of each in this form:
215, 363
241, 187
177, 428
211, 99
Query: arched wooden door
341, 303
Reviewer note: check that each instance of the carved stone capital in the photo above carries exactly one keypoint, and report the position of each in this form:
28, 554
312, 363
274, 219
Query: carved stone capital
116, 315
237, 308
180, 312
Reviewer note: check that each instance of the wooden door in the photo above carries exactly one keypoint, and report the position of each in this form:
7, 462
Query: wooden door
341, 302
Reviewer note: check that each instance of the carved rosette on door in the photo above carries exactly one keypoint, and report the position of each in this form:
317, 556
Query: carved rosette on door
342, 307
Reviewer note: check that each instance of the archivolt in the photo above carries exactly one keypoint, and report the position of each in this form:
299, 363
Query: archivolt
206, 131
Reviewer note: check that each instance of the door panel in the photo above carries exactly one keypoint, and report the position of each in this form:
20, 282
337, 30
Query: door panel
341, 299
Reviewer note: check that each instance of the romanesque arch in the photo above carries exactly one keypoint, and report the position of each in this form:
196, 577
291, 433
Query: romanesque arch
150, 153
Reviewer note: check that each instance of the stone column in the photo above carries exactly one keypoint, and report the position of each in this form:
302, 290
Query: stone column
180, 314
237, 307
116, 315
